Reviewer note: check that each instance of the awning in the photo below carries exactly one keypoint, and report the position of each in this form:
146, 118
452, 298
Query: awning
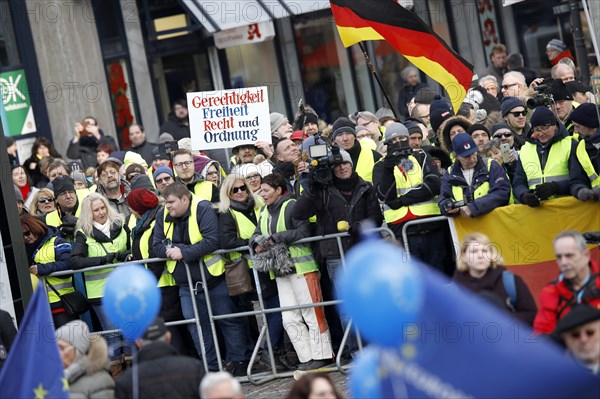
227, 14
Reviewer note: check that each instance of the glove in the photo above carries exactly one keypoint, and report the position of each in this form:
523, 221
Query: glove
585, 194
123, 256
389, 162
530, 199
546, 190
110, 257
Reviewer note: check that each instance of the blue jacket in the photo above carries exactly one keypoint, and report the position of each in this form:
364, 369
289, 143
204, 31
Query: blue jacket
208, 222
498, 195
62, 253
577, 177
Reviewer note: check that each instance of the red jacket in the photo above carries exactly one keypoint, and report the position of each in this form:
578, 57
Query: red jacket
557, 298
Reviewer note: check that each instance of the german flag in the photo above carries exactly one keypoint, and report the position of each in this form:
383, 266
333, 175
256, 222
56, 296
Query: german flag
359, 20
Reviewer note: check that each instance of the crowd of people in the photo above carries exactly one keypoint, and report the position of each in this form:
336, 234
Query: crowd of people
509, 143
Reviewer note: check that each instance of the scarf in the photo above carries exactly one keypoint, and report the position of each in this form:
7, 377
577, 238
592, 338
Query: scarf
346, 186
104, 228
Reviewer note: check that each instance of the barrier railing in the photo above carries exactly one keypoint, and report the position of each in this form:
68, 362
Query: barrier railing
262, 311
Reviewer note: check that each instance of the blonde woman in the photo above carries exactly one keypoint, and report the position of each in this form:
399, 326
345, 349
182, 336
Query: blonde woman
42, 203
101, 238
479, 269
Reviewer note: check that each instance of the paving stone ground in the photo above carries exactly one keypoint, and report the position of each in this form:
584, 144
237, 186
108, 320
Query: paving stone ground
279, 388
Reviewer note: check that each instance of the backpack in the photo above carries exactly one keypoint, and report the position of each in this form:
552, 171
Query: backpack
508, 280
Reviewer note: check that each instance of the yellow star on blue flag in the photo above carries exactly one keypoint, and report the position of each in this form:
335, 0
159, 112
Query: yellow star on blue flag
34, 349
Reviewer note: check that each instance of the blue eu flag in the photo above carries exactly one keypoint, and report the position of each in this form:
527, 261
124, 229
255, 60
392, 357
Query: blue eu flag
33, 368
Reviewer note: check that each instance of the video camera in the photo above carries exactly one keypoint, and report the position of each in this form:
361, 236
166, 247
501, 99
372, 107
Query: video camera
322, 163
399, 150
542, 96
450, 205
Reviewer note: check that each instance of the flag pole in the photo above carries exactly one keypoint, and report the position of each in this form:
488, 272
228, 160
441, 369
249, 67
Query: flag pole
374, 73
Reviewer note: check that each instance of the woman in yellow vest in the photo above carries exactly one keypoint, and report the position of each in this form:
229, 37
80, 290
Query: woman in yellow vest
43, 203
47, 253
101, 238
308, 327
239, 209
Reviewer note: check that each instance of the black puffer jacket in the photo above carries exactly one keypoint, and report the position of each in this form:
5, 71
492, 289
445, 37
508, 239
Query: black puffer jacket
163, 373
331, 206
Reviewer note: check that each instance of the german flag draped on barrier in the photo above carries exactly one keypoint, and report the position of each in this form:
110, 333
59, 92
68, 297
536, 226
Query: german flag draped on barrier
416, 41
524, 235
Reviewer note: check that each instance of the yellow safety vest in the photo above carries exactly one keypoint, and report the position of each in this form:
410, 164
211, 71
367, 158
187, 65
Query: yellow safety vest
404, 183
203, 190
557, 164
214, 263
364, 164
131, 222
245, 229
166, 279
586, 163
53, 218
95, 280
301, 255
63, 285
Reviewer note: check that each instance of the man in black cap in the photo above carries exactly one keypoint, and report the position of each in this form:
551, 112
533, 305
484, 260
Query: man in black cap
563, 104
586, 124
547, 165
579, 330
67, 207
514, 113
162, 371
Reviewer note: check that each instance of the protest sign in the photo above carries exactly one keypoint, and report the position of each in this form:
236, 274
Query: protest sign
229, 118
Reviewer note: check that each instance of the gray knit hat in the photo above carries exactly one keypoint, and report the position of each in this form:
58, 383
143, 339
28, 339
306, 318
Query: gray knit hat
557, 45
394, 130
76, 333
276, 120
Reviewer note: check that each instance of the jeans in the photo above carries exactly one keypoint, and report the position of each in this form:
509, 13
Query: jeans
235, 330
275, 322
116, 343
334, 266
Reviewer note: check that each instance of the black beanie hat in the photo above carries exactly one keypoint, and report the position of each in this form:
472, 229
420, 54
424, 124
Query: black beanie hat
586, 115
343, 125
542, 116
559, 91
62, 184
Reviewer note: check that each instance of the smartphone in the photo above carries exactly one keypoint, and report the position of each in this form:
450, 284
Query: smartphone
505, 150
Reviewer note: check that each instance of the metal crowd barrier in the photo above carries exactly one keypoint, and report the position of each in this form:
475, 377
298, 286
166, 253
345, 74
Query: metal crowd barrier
261, 311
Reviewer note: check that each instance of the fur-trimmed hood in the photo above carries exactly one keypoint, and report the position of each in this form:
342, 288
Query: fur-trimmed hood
445, 127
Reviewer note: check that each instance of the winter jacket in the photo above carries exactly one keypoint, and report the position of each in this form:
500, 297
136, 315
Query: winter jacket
178, 128
62, 253
525, 307
89, 377
79, 254
498, 194
296, 229
228, 227
557, 298
163, 373
145, 150
85, 149
208, 223
577, 177
331, 207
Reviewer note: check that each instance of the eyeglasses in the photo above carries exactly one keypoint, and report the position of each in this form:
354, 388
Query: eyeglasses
110, 172
505, 87
165, 180
26, 233
186, 164
45, 200
505, 135
235, 190
253, 177
577, 334
540, 129
516, 114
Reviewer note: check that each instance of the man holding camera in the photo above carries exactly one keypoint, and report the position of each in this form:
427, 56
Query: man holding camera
341, 200
548, 164
408, 182
472, 187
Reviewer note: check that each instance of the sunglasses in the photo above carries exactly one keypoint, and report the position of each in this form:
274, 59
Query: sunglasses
26, 233
505, 135
164, 180
578, 334
235, 190
45, 200
516, 114
505, 87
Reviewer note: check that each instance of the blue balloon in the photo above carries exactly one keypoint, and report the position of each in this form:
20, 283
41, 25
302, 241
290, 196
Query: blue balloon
382, 291
131, 300
365, 377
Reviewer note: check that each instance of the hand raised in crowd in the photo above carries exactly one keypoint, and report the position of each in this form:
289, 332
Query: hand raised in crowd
265, 148
303, 167
536, 82
78, 129
92, 129
174, 253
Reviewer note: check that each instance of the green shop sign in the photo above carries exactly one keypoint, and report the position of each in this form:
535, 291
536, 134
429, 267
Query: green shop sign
16, 103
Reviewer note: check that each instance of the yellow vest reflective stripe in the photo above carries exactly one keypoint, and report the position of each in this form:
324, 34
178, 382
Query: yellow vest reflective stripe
245, 229
586, 163
95, 280
412, 180
214, 263
203, 190
364, 164
301, 255
166, 279
557, 164
63, 285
